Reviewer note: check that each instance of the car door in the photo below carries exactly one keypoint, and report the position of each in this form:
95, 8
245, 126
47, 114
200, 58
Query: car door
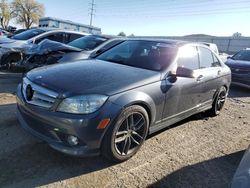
183, 94
210, 70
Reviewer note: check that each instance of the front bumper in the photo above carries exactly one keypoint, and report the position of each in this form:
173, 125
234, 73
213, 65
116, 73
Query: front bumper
54, 127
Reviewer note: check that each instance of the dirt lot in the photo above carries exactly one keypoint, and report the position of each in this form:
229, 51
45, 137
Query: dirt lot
198, 152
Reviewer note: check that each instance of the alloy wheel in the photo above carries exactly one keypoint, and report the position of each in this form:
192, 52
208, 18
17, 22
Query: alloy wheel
221, 100
130, 134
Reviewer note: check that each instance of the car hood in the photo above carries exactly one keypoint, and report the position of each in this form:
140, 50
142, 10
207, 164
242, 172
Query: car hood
238, 64
5, 40
47, 46
16, 44
91, 77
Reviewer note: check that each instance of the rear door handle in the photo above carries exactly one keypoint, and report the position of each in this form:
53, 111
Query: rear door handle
199, 78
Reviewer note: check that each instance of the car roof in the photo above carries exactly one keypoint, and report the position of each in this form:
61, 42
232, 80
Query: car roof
106, 36
51, 29
46, 28
161, 40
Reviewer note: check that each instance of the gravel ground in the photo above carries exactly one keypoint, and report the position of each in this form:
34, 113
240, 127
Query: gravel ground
198, 152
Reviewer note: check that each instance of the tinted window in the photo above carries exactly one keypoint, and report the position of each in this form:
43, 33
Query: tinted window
206, 58
142, 54
28, 34
243, 55
87, 42
73, 36
188, 58
58, 37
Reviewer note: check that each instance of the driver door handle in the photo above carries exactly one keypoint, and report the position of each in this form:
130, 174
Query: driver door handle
199, 78
219, 72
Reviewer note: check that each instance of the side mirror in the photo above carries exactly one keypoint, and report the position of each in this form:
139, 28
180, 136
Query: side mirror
184, 72
31, 41
94, 54
99, 51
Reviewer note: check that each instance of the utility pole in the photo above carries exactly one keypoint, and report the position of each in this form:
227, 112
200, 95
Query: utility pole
92, 10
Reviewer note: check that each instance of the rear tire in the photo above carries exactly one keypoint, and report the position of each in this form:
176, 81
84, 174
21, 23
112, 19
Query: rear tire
125, 137
219, 102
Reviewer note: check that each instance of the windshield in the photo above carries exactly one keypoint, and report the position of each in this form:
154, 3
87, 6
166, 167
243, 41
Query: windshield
28, 34
87, 42
142, 54
243, 55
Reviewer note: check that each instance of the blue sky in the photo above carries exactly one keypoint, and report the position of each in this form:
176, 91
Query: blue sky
158, 17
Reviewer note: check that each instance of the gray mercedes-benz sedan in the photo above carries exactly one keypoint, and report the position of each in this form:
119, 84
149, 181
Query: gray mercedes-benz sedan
108, 105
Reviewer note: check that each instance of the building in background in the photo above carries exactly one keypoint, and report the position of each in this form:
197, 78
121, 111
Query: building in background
66, 24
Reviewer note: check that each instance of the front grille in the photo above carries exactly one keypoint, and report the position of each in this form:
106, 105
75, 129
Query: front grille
40, 96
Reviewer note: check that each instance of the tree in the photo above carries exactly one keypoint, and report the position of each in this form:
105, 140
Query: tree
122, 34
27, 12
237, 35
5, 14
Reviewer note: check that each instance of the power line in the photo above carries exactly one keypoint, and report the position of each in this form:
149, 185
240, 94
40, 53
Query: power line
180, 12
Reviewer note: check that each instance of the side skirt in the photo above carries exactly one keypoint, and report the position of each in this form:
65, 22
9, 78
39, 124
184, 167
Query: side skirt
179, 117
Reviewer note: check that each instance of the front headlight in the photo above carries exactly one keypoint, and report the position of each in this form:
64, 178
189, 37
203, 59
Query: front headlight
85, 104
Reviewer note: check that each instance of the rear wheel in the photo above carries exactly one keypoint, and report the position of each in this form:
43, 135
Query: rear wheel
127, 135
219, 102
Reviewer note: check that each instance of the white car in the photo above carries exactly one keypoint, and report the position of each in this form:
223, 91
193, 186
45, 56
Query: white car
11, 49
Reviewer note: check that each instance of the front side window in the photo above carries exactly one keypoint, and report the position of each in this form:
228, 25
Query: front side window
150, 55
206, 58
188, 58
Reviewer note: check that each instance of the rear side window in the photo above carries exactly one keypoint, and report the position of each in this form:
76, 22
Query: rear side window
188, 57
216, 62
207, 58
58, 37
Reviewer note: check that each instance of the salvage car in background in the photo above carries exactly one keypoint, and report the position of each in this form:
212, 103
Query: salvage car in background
11, 49
51, 52
110, 104
240, 67
4, 33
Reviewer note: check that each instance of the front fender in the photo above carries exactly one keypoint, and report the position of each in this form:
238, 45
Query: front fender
136, 97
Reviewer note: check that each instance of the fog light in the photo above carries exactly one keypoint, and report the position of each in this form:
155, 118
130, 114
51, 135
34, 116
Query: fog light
72, 140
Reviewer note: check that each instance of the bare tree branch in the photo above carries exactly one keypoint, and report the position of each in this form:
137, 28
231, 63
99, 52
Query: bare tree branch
27, 12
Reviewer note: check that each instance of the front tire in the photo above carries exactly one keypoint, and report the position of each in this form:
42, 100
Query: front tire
126, 136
